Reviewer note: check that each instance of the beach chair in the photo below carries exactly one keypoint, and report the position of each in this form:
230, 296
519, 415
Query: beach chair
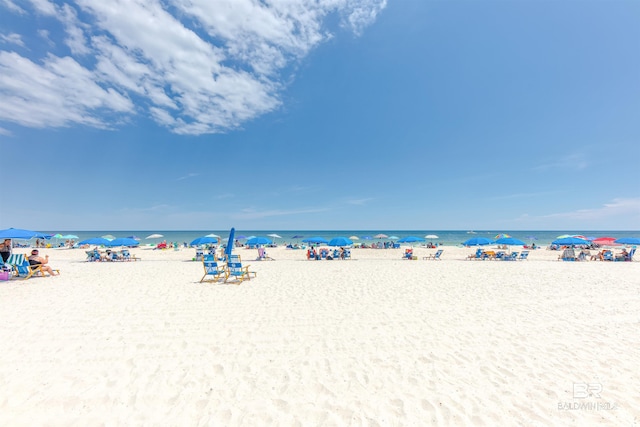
478, 255
347, 254
213, 271
22, 268
523, 256
408, 254
632, 252
569, 254
435, 256
627, 257
237, 271
199, 255
607, 256
93, 256
513, 256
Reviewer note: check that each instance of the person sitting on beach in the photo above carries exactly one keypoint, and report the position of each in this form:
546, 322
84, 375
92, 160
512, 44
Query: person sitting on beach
599, 256
622, 256
5, 249
36, 259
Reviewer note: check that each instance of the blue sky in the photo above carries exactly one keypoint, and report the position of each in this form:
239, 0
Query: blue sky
343, 114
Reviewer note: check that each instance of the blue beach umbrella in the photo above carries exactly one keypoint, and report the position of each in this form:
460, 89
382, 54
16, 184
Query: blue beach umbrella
205, 240
411, 239
19, 233
99, 241
229, 247
122, 241
510, 241
477, 241
316, 239
297, 236
259, 241
340, 241
570, 241
628, 241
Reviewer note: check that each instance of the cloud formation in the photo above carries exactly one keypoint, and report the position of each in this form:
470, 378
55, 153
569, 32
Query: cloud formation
193, 66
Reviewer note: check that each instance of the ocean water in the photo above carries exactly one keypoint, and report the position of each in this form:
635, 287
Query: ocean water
445, 237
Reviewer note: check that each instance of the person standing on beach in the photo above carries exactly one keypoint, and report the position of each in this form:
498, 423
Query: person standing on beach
5, 249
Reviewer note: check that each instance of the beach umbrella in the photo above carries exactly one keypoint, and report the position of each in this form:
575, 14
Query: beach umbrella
605, 241
98, 241
393, 237
354, 238
502, 236
297, 237
122, 241
212, 235
109, 237
628, 241
477, 241
275, 236
510, 241
563, 236
19, 233
367, 237
411, 239
381, 236
68, 237
154, 236
316, 239
259, 241
340, 241
229, 247
205, 240
134, 237
570, 241
431, 236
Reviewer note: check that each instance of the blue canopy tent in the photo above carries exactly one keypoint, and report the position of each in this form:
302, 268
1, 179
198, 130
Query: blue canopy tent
477, 241
340, 241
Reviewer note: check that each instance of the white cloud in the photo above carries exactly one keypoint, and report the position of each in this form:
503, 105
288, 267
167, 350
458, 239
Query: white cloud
5, 132
193, 66
12, 38
628, 208
13, 7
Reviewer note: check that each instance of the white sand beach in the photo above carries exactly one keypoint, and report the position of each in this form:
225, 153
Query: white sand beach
372, 341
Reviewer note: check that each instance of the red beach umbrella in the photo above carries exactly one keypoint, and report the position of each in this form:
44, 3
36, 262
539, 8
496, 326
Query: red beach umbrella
605, 241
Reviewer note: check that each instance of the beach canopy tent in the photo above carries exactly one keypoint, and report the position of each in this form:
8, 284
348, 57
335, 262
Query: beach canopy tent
99, 241
411, 239
510, 241
316, 239
258, 241
628, 241
565, 241
122, 241
340, 241
19, 233
477, 241
204, 240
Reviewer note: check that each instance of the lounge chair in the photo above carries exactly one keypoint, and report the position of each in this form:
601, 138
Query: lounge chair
569, 254
237, 271
523, 256
213, 271
199, 255
22, 268
408, 254
478, 255
435, 256
628, 257
513, 256
607, 256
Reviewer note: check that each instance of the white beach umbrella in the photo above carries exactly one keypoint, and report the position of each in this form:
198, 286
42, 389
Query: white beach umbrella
431, 236
154, 236
275, 236
212, 235
354, 238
